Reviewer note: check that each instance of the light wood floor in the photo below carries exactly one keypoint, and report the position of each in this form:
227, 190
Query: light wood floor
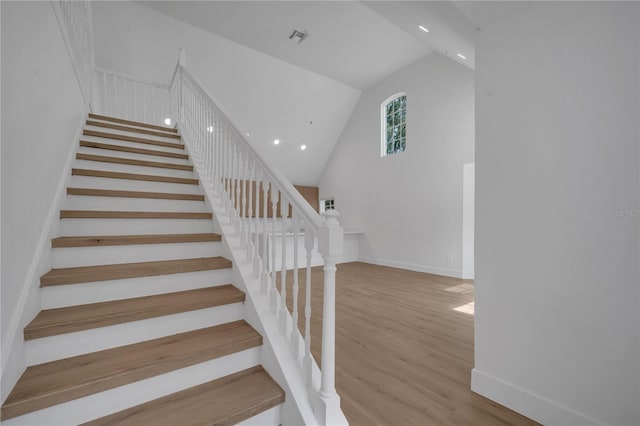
404, 355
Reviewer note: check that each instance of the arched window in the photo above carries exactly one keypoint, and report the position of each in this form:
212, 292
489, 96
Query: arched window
394, 124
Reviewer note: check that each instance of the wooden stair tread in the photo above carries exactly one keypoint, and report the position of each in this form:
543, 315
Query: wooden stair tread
120, 240
87, 132
134, 194
225, 401
131, 123
82, 274
165, 134
132, 162
111, 214
121, 148
55, 382
132, 176
52, 322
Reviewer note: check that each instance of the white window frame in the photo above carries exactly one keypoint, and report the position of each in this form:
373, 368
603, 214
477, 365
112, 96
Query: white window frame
383, 123
323, 203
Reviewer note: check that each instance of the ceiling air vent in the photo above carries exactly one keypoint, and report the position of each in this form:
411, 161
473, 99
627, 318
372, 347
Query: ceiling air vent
297, 36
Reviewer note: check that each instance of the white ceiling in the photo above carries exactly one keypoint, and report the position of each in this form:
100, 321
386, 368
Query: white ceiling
355, 43
350, 44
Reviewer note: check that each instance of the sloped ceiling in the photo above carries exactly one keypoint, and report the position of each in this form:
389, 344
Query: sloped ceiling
351, 44
345, 41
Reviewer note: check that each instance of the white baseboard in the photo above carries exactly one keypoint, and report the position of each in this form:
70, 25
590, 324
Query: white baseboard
527, 403
413, 267
40, 262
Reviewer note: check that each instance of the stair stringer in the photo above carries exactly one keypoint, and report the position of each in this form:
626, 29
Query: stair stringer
13, 357
276, 356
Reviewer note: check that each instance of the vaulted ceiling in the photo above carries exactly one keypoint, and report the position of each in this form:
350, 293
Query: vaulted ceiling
355, 43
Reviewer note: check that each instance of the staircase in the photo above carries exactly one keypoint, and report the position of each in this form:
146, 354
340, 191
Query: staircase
140, 322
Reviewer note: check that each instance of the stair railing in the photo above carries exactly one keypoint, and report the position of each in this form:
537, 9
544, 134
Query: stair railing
123, 96
74, 20
263, 206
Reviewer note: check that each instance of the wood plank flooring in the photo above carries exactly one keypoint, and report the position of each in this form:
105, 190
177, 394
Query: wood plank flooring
403, 354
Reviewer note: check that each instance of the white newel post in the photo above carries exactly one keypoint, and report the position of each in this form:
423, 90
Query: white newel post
330, 242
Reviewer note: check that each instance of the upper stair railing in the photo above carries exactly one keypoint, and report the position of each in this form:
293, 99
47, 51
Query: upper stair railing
255, 195
122, 96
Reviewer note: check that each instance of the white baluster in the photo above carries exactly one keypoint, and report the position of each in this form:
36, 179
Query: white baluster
308, 360
250, 233
264, 259
124, 96
245, 207
284, 213
295, 290
256, 223
115, 95
274, 291
104, 94
144, 105
234, 168
135, 101
236, 222
241, 201
234, 181
230, 182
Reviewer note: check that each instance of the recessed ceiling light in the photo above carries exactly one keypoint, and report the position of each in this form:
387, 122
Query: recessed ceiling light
210, 129
276, 141
461, 56
425, 29
167, 121
248, 134
303, 147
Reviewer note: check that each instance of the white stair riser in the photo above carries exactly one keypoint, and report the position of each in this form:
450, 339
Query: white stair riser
102, 291
89, 202
103, 403
131, 155
128, 168
72, 227
135, 144
87, 256
271, 417
132, 185
133, 133
39, 351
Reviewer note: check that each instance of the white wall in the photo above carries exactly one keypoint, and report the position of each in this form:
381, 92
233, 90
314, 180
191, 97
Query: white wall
556, 300
42, 108
264, 96
408, 205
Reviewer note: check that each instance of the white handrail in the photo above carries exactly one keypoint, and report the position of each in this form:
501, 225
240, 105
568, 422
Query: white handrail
230, 168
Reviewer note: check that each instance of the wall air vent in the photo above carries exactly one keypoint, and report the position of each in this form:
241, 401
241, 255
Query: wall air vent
297, 35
